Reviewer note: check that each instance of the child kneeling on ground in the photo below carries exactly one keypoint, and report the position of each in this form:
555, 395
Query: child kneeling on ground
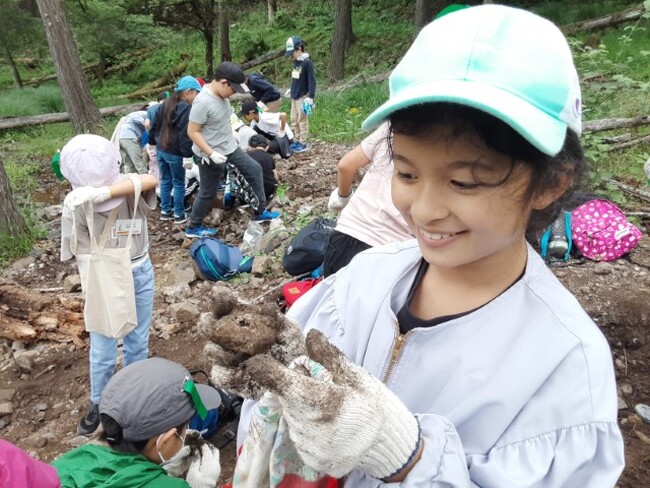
104, 198
145, 410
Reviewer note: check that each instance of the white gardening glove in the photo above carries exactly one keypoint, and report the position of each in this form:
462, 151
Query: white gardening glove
287, 94
180, 463
309, 101
337, 202
282, 133
261, 106
340, 423
205, 468
85, 194
188, 163
217, 158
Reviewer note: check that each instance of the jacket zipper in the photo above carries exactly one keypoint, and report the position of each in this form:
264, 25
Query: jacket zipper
396, 352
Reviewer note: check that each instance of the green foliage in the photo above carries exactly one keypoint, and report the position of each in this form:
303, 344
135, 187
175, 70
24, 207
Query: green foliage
31, 101
566, 12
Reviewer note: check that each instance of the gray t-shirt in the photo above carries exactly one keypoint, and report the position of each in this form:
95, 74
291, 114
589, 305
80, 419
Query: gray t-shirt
212, 113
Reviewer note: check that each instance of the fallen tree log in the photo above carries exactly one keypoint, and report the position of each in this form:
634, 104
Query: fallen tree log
633, 142
262, 59
642, 195
18, 122
590, 25
600, 125
161, 83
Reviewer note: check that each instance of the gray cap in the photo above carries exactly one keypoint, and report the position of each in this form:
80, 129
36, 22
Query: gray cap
151, 396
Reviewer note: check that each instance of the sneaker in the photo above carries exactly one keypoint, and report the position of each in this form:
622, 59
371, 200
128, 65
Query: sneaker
90, 421
165, 215
298, 147
266, 215
200, 231
181, 220
228, 200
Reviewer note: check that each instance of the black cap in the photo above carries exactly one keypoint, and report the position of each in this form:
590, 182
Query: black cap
247, 107
258, 140
233, 74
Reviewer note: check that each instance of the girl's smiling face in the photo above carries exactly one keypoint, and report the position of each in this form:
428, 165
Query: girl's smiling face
465, 203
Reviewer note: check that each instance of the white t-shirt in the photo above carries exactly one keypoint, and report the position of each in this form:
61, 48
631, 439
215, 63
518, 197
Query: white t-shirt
370, 215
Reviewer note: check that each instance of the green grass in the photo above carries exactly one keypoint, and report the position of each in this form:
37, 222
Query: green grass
31, 101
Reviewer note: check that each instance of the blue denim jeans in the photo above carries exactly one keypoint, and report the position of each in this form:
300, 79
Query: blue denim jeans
172, 174
103, 350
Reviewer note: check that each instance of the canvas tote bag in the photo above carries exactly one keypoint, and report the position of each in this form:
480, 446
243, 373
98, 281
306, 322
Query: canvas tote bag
107, 277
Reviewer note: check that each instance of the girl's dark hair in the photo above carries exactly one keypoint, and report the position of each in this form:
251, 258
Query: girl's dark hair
427, 120
166, 130
113, 435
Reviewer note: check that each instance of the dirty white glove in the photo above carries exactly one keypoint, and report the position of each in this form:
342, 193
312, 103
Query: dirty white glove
281, 133
339, 423
337, 202
217, 158
287, 94
85, 194
188, 163
180, 463
309, 101
205, 468
261, 107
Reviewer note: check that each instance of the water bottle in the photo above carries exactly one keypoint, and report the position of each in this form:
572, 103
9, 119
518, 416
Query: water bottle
558, 244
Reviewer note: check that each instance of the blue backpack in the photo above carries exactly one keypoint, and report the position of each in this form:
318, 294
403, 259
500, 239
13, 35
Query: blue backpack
219, 261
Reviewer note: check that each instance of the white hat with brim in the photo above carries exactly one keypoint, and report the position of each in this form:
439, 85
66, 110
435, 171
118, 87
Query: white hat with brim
92, 160
507, 62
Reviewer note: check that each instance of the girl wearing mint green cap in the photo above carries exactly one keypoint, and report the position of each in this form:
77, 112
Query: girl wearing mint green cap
479, 368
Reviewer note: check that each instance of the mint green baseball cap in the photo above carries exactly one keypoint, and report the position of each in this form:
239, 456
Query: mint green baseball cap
505, 61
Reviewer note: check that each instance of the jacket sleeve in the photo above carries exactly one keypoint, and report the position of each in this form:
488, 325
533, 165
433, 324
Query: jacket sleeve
154, 132
268, 91
185, 142
311, 79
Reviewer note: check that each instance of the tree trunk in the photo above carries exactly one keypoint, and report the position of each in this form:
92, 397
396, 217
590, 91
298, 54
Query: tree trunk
632, 13
343, 37
224, 32
208, 37
12, 66
422, 13
11, 220
272, 6
84, 114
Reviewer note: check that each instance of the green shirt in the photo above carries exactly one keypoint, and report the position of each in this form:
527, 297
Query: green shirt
94, 466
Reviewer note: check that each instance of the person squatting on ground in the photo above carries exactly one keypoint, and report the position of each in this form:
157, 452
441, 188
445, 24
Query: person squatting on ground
92, 166
215, 145
19, 470
259, 152
169, 134
272, 125
145, 410
241, 131
368, 217
302, 90
130, 136
463, 361
263, 91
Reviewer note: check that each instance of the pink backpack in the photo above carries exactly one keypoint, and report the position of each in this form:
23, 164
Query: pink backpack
601, 231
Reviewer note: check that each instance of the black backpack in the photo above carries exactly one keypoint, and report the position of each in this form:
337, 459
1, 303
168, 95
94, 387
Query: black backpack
306, 251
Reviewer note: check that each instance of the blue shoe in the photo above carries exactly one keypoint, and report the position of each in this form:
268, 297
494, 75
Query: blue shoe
266, 215
228, 200
299, 147
200, 231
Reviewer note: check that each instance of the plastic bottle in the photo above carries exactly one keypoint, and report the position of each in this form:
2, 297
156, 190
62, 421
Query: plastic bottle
558, 244
56, 165
252, 236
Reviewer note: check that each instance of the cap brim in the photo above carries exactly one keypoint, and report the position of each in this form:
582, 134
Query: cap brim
288, 53
542, 130
209, 396
239, 87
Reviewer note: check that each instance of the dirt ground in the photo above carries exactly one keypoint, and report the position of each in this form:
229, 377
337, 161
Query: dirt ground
51, 389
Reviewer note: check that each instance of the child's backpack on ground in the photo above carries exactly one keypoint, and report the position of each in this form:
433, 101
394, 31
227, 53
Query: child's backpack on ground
306, 251
601, 231
217, 260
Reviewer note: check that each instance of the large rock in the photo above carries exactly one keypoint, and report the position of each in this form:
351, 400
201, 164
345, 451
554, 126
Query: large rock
7, 394
261, 264
6, 408
177, 293
184, 312
71, 283
180, 273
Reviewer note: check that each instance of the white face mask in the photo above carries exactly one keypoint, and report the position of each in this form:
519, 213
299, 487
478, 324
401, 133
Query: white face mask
162, 458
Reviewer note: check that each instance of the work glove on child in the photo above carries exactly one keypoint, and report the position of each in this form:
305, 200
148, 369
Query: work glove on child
216, 158
199, 459
85, 194
204, 469
236, 332
349, 422
337, 202
188, 163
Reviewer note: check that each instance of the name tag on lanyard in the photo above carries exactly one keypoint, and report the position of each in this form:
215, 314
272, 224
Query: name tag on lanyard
122, 227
